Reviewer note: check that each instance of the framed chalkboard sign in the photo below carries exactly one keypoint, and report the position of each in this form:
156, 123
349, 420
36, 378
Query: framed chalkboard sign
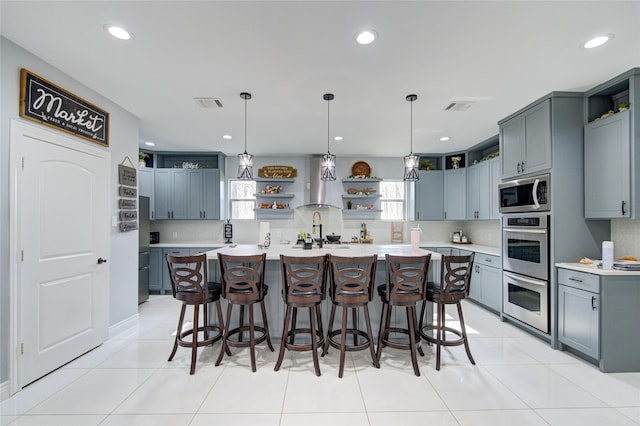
48, 104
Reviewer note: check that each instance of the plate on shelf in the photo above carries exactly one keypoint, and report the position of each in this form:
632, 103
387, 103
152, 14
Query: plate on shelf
361, 168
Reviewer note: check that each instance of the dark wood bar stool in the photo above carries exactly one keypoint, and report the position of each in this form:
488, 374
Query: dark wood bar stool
303, 286
406, 286
190, 285
351, 288
243, 285
455, 275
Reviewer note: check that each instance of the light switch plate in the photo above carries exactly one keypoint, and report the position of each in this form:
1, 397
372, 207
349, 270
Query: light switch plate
114, 221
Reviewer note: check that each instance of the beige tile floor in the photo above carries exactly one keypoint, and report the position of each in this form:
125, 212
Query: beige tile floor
518, 380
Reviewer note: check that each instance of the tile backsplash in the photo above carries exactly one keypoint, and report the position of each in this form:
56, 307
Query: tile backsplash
625, 235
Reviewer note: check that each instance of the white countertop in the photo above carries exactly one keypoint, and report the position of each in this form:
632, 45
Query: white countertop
493, 251
187, 245
275, 250
593, 269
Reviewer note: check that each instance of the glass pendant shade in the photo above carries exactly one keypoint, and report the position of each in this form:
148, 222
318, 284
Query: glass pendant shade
245, 161
328, 167
411, 163
245, 166
412, 160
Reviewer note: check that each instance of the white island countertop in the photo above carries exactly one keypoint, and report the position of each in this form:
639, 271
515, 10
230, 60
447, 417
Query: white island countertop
352, 250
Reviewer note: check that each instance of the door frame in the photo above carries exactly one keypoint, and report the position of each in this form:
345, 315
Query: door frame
15, 224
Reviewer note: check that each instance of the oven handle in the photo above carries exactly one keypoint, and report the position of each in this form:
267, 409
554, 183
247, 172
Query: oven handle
526, 231
534, 193
526, 280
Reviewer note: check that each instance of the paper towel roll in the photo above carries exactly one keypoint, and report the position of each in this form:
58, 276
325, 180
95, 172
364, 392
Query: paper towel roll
607, 255
415, 238
264, 231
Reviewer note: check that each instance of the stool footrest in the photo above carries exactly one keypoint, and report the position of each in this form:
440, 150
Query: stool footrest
206, 342
443, 342
245, 343
386, 341
303, 346
350, 346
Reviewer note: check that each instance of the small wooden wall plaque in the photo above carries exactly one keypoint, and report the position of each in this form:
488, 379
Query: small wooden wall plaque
277, 172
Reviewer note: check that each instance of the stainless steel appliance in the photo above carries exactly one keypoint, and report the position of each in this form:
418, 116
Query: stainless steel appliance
143, 249
525, 264
530, 194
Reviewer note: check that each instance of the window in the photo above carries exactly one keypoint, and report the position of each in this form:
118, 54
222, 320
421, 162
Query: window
392, 200
242, 199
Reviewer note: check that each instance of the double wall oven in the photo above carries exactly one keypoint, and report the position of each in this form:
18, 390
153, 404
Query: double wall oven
526, 250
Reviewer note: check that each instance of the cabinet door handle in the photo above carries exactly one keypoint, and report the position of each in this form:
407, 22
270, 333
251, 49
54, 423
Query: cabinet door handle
204, 215
622, 206
593, 303
522, 167
518, 168
445, 215
487, 260
578, 280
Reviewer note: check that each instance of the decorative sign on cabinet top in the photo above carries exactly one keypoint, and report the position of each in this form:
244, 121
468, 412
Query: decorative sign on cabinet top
48, 104
277, 172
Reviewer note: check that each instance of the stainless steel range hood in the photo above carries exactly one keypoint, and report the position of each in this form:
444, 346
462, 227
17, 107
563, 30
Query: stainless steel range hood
318, 189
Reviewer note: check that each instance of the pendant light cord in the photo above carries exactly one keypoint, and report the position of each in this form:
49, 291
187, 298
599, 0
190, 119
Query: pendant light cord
328, 131
245, 125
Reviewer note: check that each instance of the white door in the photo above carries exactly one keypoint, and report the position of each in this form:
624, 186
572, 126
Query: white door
62, 200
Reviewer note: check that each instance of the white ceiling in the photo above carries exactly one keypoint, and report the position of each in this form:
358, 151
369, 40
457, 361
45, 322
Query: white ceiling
288, 54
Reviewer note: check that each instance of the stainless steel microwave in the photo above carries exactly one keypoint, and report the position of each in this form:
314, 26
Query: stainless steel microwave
531, 194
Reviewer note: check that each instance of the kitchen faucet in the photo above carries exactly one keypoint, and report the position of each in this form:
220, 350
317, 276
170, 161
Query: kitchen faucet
313, 229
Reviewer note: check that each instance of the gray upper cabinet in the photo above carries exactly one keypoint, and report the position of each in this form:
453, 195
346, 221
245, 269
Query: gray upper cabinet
525, 141
203, 194
455, 194
146, 188
171, 193
606, 167
430, 195
478, 189
611, 153
494, 196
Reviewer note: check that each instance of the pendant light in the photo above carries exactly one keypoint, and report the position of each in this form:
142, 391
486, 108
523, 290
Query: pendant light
412, 160
245, 161
328, 171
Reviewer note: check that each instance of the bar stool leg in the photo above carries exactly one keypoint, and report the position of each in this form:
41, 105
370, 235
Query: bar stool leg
252, 337
329, 330
179, 330
464, 334
412, 338
285, 329
343, 340
370, 333
221, 322
439, 333
294, 322
354, 316
225, 335
265, 324
314, 342
383, 328
194, 338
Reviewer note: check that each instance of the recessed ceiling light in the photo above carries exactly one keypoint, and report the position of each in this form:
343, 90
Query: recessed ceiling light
150, 144
598, 41
118, 32
445, 138
366, 37
337, 138
227, 137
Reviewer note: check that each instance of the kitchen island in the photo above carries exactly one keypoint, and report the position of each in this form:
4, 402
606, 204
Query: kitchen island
273, 275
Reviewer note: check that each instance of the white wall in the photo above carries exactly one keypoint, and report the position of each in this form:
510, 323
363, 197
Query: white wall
123, 260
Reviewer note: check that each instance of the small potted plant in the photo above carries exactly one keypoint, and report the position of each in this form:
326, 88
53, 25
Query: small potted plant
142, 158
349, 204
623, 106
426, 164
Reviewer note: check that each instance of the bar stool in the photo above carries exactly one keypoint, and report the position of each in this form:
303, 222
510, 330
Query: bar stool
405, 287
190, 285
303, 286
243, 285
351, 288
455, 275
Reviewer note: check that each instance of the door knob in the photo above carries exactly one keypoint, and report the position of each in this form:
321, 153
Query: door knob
101, 261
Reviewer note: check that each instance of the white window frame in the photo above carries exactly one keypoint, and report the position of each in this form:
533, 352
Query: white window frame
252, 198
402, 200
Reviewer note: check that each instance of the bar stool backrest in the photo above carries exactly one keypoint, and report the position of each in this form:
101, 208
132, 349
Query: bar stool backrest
352, 278
455, 277
242, 277
303, 278
406, 278
188, 275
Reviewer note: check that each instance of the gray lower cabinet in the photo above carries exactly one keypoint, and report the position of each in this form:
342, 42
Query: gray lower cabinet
156, 264
607, 149
430, 195
598, 317
486, 281
455, 194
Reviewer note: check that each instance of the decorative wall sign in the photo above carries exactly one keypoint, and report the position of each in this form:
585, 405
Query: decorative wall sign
277, 172
127, 175
46, 103
127, 204
127, 215
128, 226
127, 192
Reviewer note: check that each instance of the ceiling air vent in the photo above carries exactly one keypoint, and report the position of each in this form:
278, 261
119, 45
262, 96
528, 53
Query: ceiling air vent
459, 106
208, 102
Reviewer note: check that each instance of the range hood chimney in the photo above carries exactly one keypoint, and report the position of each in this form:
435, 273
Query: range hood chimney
318, 188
